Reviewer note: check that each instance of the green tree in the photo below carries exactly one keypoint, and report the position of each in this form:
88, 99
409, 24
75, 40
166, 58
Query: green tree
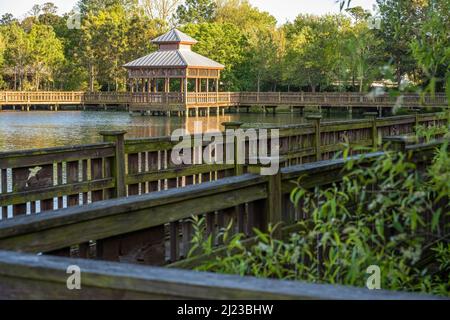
362, 53
401, 21
17, 55
2, 52
95, 6
260, 68
110, 38
222, 42
311, 53
431, 48
264, 61
105, 43
46, 53
49, 14
241, 13
196, 11
7, 19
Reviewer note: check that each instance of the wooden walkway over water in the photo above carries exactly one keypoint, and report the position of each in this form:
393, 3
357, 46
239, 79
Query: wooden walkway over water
121, 208
76, 175
215, 102
117, 243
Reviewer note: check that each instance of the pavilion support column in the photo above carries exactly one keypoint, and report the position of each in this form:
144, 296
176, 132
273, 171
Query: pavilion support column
185, 90
166, 85
217, 90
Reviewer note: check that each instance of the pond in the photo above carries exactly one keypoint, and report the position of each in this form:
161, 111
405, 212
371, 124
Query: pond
42, 129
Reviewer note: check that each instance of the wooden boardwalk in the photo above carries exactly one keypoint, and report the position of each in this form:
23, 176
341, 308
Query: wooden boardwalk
121, 209
119, 242
81, 175
214, 102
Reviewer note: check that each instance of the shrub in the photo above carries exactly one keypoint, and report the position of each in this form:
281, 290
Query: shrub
386, 213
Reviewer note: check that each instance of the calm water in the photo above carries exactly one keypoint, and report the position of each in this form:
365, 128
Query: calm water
36, 129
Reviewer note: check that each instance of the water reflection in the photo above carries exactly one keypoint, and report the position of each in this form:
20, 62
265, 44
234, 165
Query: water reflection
36, 129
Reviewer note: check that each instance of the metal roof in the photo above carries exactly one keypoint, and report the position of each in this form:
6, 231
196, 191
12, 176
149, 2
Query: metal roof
179, 57
175, 36
174, 59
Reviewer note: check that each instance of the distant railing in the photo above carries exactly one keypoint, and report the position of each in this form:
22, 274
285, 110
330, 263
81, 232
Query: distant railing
203, 99
171, 98
338, 99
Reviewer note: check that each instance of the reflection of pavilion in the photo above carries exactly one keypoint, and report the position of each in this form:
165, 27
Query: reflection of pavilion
159, 127
174, 78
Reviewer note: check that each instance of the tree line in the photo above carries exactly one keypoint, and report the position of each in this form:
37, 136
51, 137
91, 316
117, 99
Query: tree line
405, 44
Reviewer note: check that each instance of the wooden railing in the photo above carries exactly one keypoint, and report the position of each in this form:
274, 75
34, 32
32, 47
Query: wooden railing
202, 99
24, 276
34, 181
171, 98
39, 97
156, 228
211, 99
338, 99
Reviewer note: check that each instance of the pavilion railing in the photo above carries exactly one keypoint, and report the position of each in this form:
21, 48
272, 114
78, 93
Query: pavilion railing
158, 98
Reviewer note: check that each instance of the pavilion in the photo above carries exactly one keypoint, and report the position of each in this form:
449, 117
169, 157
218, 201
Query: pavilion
174, 69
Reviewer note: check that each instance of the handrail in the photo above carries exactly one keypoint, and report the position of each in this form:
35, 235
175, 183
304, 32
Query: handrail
108, 280
250, 200
53, 178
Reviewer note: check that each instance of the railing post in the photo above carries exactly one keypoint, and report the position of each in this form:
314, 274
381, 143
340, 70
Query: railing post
274, 207
238, 168
373, 117
448, 116
118, 165
416, 121
398, 143
316, 119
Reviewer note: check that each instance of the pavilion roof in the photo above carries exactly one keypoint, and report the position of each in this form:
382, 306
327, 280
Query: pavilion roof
174, 36
177, 56
174, 59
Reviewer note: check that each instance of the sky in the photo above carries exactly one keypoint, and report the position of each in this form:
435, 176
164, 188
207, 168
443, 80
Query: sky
283, 10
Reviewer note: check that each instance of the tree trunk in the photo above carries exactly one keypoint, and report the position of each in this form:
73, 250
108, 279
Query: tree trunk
91, 78
15, 79
399, 75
